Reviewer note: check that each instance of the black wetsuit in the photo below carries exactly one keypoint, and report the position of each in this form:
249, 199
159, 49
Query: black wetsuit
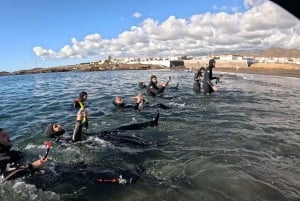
129, 107
115, 136
142, 85
198, 80
154, 90
139, 106
78, 175
206, 82
12, 164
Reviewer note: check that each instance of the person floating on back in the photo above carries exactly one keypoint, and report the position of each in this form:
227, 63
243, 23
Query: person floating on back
120, 104
12, 163
56, 131
139, 104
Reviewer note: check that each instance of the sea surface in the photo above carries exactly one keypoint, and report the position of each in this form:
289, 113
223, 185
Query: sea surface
241, 143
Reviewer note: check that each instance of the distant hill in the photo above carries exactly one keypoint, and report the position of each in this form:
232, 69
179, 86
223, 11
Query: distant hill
4, 73
273, 52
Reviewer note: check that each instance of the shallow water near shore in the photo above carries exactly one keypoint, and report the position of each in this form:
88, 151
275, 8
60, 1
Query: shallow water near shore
241, 143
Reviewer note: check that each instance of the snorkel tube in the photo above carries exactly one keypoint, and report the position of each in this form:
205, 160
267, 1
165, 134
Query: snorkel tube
48, 145
118, 180
25, 169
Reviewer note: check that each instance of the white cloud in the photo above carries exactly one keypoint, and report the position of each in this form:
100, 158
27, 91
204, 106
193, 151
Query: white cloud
137, 15
259, 27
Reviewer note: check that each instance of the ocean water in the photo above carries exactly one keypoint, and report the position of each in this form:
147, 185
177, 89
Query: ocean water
241, 143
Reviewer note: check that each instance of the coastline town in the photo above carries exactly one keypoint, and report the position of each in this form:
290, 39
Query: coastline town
286, 65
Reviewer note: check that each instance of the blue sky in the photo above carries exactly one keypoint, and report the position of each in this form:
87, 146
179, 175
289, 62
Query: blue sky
39, 33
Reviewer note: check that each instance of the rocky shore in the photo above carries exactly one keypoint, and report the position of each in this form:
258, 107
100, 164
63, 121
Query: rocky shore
83, 68
278, 69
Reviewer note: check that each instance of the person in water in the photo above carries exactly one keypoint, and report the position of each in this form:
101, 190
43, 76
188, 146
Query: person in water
142, 85
56, 131
207, 84
153, 89
77, 175
198, 77
79, 103
12, 163
139, 104
119, 102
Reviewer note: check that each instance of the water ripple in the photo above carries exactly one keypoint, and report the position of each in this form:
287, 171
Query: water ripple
241, 143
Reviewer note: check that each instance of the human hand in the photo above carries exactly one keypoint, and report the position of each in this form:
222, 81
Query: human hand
163, 84
39, 163
214, 88
81, 114
139, 98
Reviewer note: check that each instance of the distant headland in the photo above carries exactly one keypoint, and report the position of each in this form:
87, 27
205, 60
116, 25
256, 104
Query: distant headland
83, 68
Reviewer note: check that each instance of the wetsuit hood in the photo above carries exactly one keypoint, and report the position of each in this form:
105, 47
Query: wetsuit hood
51, 133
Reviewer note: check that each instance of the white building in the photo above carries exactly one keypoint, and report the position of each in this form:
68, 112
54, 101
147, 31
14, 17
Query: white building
231, 57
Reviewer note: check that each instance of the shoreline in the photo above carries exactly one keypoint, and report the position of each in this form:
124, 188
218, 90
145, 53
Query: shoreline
276, 69
285, 70
263, 71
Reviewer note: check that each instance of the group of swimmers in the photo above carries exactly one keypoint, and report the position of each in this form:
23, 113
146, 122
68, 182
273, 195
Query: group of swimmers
11, 160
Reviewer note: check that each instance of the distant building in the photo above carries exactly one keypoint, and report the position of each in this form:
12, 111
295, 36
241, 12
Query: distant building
176, 63
231, 57
166, 63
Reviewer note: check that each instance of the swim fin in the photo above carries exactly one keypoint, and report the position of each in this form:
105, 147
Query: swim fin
154, 121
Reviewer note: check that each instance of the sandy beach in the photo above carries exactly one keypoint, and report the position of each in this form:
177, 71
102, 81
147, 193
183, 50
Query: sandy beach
277, 69
263, 71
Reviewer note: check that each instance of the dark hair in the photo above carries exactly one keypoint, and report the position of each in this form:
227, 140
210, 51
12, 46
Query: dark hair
201, 69
82, 94
51, 133
1, 129
153, 76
